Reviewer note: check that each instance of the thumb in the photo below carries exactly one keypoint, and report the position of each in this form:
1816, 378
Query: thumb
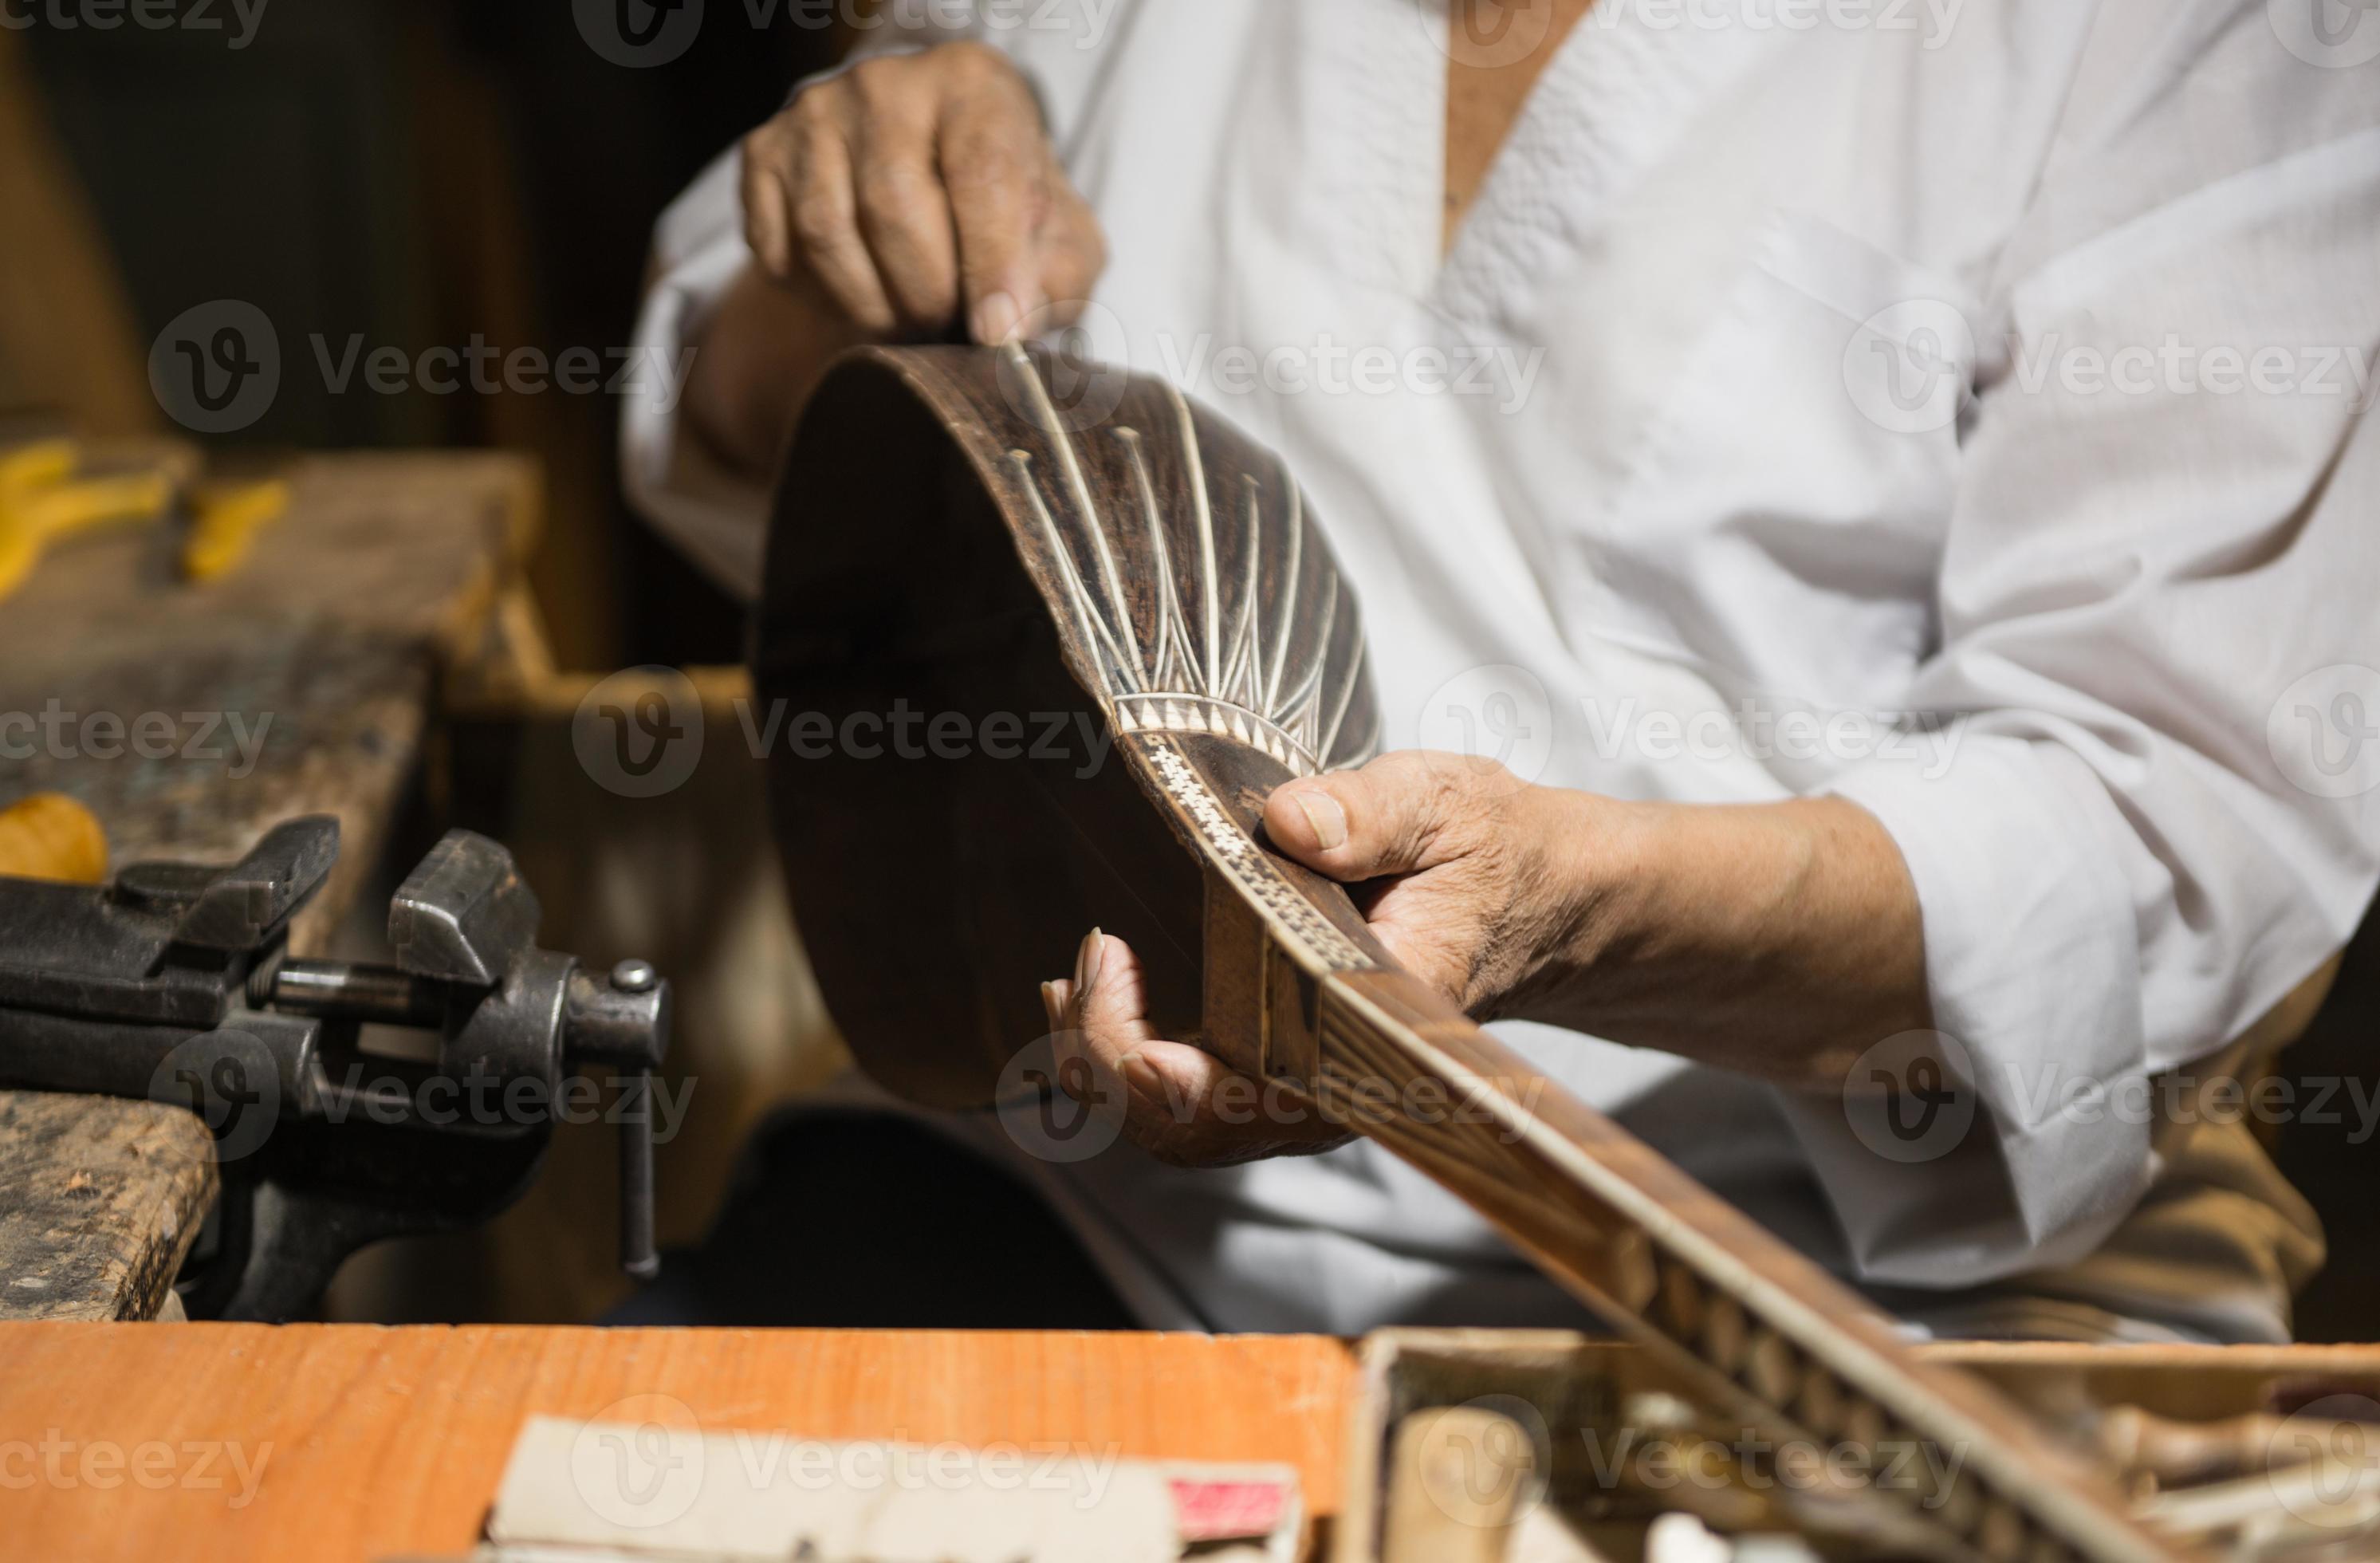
1390, 817
1109, 999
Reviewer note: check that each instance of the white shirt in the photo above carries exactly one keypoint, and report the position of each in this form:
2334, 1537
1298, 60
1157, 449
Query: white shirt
1804, 374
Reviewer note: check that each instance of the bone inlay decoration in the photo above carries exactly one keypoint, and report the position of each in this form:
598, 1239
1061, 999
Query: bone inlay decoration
1219, 654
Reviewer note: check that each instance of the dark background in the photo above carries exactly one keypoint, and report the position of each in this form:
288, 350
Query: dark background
418, 171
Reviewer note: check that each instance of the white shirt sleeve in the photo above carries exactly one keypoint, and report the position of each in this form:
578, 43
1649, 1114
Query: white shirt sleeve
716, 518
2159, 637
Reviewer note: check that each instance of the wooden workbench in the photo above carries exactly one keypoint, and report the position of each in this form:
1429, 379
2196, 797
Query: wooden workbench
389, 1442
356, 1444
324, 650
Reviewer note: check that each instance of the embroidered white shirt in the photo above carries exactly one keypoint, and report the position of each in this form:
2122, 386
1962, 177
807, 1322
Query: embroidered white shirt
1955, 406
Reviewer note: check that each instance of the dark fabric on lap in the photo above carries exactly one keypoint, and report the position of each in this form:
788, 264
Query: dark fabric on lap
853, 1220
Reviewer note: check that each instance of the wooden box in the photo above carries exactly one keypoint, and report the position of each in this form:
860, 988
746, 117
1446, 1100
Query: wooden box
1582, 1403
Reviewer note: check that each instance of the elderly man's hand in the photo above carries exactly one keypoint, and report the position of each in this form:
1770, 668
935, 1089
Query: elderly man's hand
1777, 939
1474, 880
919, 190
911, 196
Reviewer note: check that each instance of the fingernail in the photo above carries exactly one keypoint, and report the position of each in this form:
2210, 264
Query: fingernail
1050, 1006
1087, 961
1322, 811
996, 319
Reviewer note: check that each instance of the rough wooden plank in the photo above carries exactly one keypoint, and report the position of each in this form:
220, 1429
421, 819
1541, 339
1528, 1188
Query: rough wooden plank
318, 654
191, 719
390, 1443
103, 1201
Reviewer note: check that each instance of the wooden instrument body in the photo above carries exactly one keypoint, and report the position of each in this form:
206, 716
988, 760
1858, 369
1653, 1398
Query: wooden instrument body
957, 537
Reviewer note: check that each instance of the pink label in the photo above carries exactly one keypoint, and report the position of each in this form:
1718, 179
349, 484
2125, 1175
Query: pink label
1209, 1511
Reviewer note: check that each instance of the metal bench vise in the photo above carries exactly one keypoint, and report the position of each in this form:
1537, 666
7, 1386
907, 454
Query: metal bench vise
174, 984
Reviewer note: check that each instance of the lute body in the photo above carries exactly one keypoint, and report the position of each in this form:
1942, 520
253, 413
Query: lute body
968, 533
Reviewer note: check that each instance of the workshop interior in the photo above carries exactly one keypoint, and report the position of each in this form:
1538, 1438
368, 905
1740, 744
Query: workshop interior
695, 867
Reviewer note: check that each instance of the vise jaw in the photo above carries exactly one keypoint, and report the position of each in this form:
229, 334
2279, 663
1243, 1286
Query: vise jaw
174, 984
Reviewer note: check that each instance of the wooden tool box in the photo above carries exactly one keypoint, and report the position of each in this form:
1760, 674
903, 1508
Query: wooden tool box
1612, 1443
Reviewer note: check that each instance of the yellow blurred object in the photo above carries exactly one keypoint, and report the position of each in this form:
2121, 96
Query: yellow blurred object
49, 836
224, 525
41, 501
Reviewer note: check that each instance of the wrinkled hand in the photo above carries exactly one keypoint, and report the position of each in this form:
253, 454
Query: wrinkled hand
916, 190
1475, 882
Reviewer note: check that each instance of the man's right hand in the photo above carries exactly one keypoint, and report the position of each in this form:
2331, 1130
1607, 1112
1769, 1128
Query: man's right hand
915, 191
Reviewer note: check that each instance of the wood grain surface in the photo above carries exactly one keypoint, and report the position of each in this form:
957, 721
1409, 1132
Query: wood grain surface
389, 1442
323, 649
100, 1201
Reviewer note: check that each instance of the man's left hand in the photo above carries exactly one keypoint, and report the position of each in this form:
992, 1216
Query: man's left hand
1475, 881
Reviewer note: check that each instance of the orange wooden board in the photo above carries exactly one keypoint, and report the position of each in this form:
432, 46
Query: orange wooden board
389, 1442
